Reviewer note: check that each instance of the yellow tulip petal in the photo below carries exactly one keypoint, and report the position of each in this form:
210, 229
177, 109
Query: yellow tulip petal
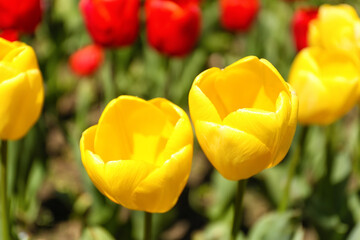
87, 139
261, 124
314, 37
21, 58
164, 185
7, 72
234, 153
115, 179
125, 123
205, 107
94, 167
288, 129
236, 92
123, 177
21, 102
273, 78
5, 47
335, 28
170, 110
93, 164
182, 133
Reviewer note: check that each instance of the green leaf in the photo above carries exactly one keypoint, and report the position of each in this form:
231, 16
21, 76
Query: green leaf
223, 192
342, 167
299, 234
354, 206
355, 233
274, 226
96, 233
313, 161
220, 229
275, 179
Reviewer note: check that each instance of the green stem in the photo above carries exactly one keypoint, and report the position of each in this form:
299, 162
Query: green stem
296, 155
330, 130
168, 76
3, 197
356, 152
114, 71
148, 223
238, 207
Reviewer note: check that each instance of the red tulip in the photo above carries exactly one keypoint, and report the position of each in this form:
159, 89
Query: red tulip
111, 23
10, 35
238, 15
300, 24
22, 15
173, 26
87, 60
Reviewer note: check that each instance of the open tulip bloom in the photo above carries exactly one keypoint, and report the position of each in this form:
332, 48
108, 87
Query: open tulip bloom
244, 116
139, 154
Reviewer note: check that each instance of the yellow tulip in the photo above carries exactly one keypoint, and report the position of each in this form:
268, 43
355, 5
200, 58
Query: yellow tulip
21, 89
139, 154
244, 116
336, 28
326, 82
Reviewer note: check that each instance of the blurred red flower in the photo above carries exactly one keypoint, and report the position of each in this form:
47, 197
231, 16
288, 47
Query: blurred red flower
300, 25
87, 60
238, 15
22, 15
173, 26
111, 23
10, 35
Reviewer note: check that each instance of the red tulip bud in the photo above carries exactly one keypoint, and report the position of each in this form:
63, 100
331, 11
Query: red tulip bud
300, 24
87, 60
111, 23
238, 15
173, 26
22, 15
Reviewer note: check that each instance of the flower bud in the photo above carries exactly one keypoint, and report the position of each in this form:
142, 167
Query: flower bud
173, 27
238, 15
111, 23
87, 60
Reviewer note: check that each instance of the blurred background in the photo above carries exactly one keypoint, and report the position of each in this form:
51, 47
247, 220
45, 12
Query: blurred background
53, 198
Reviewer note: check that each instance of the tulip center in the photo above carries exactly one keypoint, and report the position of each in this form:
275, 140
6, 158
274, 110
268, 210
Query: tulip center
149, 147
243, 88
133, 130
